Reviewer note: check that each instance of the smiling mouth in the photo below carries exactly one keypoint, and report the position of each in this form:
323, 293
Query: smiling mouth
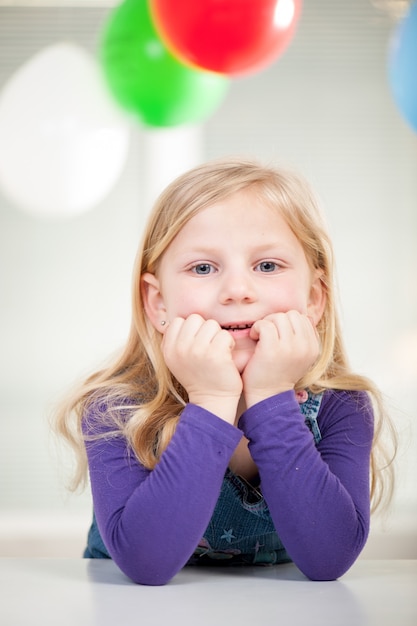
236, 327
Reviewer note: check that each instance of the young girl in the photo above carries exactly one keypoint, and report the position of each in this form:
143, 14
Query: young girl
231, 427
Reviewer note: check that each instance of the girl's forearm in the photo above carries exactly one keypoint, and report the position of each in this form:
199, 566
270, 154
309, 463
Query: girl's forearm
318, 497
152, 521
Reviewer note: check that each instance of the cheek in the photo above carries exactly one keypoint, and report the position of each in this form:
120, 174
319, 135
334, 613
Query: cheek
182, 302
289, 297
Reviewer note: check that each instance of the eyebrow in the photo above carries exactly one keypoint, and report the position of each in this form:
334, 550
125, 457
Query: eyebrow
208, 250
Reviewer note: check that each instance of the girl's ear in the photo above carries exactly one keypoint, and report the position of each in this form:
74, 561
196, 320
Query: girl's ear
153, 301
317, 300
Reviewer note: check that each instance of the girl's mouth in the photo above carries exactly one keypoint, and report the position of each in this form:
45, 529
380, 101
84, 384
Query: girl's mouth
235, 328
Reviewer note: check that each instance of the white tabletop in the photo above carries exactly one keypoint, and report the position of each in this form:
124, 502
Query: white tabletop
94, 592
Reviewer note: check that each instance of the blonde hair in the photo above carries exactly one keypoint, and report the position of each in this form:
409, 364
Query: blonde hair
140, 397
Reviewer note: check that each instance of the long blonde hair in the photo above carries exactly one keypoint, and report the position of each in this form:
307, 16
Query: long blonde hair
138, 396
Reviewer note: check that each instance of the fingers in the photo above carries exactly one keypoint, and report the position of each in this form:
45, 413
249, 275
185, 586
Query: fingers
285, 326
194, 334
198, 352
287, 346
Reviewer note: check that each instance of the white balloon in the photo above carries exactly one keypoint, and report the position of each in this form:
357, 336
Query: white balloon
63, 142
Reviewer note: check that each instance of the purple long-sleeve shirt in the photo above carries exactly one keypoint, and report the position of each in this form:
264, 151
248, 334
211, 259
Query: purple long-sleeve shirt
318, 496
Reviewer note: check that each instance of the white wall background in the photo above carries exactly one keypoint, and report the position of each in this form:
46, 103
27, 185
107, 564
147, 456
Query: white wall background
324, 107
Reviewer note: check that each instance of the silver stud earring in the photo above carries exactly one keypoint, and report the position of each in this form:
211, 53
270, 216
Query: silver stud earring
163, 322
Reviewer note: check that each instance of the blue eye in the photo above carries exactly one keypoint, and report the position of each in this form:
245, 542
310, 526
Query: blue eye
203, 269
267, 266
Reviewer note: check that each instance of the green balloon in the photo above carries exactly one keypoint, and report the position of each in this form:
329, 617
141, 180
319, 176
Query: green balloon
146, 79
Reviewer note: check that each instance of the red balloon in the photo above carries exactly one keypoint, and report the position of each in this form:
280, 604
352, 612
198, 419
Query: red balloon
227, 36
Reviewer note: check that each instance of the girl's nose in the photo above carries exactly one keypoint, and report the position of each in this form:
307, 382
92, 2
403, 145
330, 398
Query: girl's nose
237, 287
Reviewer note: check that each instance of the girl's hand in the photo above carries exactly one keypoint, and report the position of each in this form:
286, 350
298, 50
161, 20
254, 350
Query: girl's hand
199, 354
287, 347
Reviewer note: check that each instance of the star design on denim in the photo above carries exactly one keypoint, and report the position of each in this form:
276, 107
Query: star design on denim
228, 535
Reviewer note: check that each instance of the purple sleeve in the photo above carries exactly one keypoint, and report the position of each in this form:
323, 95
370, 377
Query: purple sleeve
152, 521
318, 496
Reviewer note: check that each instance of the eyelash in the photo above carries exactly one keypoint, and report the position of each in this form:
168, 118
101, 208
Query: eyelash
194, 268
275, 266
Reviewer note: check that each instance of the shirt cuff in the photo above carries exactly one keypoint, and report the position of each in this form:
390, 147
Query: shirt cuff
282, 404
211, 425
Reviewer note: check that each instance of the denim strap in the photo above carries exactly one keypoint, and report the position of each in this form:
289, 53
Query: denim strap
310, 409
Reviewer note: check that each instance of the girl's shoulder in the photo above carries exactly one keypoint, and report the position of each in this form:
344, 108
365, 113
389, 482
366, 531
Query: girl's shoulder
347, 409
106, 412
351, 398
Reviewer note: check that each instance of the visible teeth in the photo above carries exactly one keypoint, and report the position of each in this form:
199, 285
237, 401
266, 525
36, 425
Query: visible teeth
237, 326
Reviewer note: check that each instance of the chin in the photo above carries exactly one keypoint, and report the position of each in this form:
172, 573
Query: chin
241, 358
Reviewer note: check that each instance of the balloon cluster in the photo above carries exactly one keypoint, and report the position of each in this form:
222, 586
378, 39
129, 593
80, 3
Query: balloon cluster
64, 142
402, 66
170, 61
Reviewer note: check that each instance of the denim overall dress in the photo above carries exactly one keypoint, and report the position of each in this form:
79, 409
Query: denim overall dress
241, 530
